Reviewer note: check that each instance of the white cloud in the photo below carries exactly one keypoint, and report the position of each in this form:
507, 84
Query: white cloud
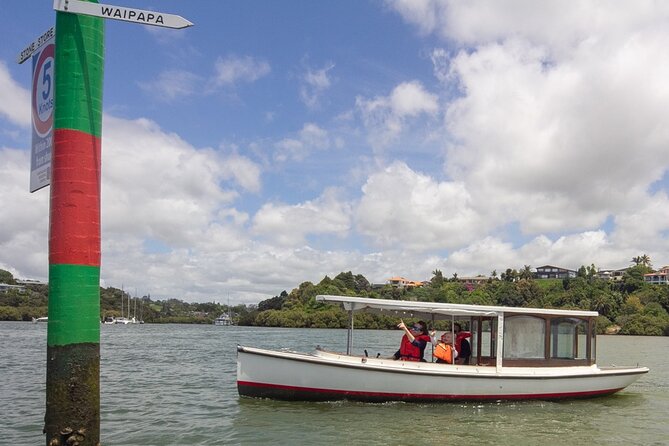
23, 221
170, 189
173, 84
560, 146
234, 69
548, 23
385, 117
314, 84
14, 100
243, 170
402, 208
309, 139
426, 14
442, 65
290, 224
645, 225
570, 251
558, 125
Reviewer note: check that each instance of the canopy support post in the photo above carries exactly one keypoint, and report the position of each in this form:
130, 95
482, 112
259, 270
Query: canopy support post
432, 341
500, 342
349, 341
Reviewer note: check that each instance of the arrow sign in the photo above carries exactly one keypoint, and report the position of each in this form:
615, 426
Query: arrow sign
140, 16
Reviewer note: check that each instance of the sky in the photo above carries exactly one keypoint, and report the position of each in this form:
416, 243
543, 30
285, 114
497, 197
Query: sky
274, 143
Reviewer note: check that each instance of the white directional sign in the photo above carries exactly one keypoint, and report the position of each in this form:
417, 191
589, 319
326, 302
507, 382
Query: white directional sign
37, 44
120, 13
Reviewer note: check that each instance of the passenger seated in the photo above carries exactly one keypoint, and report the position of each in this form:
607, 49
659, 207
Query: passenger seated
462, 344
444, 350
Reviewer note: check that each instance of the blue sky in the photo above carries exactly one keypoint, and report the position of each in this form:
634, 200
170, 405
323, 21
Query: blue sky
277, 142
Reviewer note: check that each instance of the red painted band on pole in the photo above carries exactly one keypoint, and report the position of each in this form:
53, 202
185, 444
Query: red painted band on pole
74, 236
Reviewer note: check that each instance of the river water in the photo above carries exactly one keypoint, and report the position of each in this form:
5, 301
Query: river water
175, 385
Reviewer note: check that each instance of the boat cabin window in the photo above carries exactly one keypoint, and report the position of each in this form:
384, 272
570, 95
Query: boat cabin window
524, 337
569, 338
487, 334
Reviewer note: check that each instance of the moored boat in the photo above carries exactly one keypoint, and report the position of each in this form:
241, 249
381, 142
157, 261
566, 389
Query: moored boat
517, 354
223, 319
125, 320
41, 319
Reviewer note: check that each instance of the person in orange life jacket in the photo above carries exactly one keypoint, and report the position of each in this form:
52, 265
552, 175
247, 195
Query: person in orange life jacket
462, 344
443, 349
412, 346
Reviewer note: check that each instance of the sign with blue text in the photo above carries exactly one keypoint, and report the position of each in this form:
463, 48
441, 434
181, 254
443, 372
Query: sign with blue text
42, 105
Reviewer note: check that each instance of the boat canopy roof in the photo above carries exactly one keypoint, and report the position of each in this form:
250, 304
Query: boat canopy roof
423, 309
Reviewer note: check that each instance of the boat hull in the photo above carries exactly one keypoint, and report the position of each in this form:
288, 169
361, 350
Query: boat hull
325, 376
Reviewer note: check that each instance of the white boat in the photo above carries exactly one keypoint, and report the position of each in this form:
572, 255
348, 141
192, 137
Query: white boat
125, 320
40, 319
517, 354
223, 319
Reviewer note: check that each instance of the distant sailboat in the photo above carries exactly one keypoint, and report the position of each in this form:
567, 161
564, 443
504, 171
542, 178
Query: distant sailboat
225, 319
125, 320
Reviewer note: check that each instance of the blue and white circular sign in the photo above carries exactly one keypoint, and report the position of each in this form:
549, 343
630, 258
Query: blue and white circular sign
42, 92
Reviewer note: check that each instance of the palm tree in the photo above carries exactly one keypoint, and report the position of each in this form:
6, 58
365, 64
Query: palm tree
437, 277
641, 260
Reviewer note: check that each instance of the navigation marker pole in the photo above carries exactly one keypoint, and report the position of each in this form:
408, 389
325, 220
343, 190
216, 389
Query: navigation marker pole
73, 337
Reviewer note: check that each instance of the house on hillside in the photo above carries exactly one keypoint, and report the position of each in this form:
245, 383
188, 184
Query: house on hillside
401, 282
659, 277
472, 282
30, 282
554, 272
5, 288
614, 275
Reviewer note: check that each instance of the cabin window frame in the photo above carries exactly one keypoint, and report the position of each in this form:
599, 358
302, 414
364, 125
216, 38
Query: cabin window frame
547, 360
580, 328
510, 322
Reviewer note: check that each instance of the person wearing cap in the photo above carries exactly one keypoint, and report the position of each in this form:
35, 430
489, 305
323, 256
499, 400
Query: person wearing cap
412, 346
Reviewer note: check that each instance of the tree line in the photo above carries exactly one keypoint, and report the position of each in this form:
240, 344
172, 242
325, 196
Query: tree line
32, 302
628, 306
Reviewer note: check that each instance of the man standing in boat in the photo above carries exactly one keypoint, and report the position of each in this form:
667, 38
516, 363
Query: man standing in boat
412, 346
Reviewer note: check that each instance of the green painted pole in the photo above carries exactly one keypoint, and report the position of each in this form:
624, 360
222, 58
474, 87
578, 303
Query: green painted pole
73, 339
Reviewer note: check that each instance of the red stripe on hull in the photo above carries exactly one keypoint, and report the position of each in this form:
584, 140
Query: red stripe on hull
276, 391
74, 236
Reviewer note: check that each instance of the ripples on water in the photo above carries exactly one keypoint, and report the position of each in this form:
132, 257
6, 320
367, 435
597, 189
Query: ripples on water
175, 385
